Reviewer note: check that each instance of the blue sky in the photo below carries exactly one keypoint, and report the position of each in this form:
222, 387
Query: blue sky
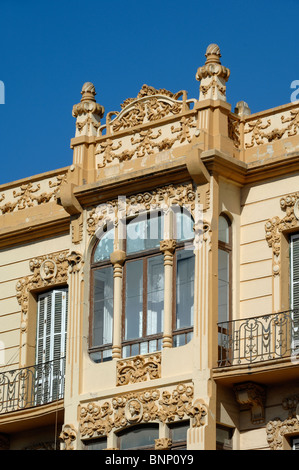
48, 49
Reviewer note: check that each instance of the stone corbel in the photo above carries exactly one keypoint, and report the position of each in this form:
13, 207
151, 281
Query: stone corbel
67, 199
196, 167
252, 396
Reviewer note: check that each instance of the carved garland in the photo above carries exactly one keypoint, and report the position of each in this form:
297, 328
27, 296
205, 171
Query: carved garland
256, 129
48, 270
136, 407
25, 196
160, 198
275, 226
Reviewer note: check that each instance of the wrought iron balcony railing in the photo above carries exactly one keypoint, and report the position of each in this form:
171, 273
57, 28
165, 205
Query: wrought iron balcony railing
32, 386
257, 339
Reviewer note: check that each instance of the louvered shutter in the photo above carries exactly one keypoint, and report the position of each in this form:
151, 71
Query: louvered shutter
50, 344
294, 282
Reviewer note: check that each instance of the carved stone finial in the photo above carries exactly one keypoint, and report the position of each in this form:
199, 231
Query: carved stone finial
212, 76
213, 54
88, 112
88, 92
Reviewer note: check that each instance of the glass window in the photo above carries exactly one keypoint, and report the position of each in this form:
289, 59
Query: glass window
144, 233
101, 324
224, 436
104, 247
178, 434
143, 287
139, 437
184, 288
96, 444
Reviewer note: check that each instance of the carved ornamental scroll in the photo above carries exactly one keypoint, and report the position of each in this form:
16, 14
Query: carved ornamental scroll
47, 271
275, 227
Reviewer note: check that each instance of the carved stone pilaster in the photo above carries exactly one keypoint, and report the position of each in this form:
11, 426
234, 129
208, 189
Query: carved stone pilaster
253, 396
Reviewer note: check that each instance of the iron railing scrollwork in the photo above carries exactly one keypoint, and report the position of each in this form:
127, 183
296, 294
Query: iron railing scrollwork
32, 386
260, 338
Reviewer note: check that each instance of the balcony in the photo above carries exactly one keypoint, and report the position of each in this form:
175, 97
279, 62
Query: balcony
259, 339
33, 386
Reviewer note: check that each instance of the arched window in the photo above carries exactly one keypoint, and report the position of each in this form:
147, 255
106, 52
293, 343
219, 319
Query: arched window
143, 301
101, 301
224, 269
143, 285
224, 286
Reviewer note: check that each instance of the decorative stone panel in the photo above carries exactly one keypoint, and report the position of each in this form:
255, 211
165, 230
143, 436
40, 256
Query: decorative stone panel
138, 369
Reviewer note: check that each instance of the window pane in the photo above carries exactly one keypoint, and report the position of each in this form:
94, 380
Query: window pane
155, 294
144, 234
96, 444
223, 230
139, 437
185, 289
103, 306
223, 286
184, 226
104, 247
134, 300
179, 431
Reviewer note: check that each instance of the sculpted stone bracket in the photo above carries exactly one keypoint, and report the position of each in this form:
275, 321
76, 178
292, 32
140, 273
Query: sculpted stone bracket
47, 271
276, 226
253, 396
138, 369
99, 419
68, 435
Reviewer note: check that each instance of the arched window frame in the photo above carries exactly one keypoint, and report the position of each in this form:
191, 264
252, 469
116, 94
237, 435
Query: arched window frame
98, 351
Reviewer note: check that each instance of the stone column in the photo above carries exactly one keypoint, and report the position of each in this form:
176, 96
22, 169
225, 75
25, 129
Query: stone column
168, 247
117, 259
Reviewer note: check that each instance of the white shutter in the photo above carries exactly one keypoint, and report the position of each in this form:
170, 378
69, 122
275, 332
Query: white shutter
295, 271
294, 291
50, 344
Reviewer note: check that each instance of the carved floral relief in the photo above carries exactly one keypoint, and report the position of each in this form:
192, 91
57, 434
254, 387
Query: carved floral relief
138, 369
47, 270
275, 226
147, 406
161, 198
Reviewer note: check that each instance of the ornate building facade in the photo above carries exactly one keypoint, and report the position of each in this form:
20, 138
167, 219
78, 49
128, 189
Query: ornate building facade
149, 292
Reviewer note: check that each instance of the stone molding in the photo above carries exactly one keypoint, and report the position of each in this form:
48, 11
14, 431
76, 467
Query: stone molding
121, 411
138, 369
